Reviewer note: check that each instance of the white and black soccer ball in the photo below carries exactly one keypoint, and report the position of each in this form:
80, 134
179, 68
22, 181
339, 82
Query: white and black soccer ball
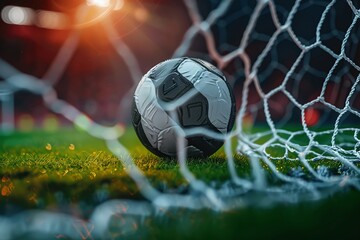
211, 107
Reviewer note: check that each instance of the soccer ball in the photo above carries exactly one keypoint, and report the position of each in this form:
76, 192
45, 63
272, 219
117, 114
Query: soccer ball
209, 104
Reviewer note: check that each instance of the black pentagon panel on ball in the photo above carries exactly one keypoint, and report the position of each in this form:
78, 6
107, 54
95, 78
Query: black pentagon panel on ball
135, 116
207, 146
233, 108
194, 112
173, 87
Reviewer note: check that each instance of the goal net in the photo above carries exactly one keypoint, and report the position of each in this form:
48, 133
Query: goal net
297, 67
295, 71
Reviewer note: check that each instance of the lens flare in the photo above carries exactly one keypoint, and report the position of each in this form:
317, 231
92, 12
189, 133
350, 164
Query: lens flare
99, 3
115, 4
141, 14
52, 20
94, 11
17, 15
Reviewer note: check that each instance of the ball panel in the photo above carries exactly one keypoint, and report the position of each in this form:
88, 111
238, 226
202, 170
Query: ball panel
144, 96
135, 117
149, 108
157, 117
213, 88
219, 112
153, 117
163, 69
207, 146
209, 67
141, 134
190, 70
173, 87
208, 86
194, 152
164, 145
194, 112
150, 133
233, 108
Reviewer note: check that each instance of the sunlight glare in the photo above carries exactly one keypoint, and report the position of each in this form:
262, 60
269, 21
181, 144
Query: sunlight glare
99, 3
52, 20
117, 4
17, 15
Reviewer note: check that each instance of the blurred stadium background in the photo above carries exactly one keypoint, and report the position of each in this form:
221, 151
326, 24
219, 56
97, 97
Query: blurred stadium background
97, 80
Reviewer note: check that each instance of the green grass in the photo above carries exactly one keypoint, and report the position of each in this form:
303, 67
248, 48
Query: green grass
36, 162
35, 175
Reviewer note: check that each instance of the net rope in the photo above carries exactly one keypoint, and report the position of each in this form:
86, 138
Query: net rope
263, 148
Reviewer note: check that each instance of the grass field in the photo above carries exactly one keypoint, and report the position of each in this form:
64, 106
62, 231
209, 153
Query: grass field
70, 171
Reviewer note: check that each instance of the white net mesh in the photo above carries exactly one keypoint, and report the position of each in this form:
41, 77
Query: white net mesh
295, 71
